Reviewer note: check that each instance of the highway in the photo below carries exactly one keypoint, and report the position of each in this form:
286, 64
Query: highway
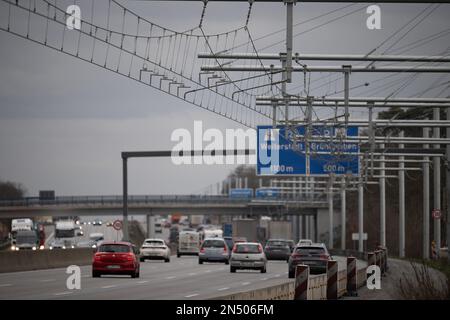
181, 279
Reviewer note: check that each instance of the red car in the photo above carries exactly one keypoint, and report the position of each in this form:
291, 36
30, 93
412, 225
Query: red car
116, 258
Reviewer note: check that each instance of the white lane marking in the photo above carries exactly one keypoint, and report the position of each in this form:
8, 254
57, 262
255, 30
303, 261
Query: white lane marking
145, 281
263, 279
223, 289
207, 271
245, 283
191, 295
171, 277
107, 287
191, 274
276, 276
286, 272
5, 285
62, 293
47, 280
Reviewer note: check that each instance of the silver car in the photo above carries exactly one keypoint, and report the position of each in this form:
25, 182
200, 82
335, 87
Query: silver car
248, 255
214, 250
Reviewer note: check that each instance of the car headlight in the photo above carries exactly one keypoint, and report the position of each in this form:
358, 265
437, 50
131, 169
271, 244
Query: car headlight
41, 248
63, 247
34, 248
94, 246
13, 248
73, 247
51, 248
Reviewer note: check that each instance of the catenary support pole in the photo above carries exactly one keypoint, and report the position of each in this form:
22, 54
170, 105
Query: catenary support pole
343, 215
360, 216
125, 198
437, 185
330, 219
426, 202
447, 187
382, 182
401, 203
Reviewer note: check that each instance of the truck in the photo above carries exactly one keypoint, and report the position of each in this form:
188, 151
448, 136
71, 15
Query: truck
196, 220
65, 232
212, 233
65, 229
175, 218
26, 239
280, 230
188, 243
22, 224
245, 228
154, 226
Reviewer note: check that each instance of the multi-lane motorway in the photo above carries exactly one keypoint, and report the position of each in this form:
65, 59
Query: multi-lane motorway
182, 279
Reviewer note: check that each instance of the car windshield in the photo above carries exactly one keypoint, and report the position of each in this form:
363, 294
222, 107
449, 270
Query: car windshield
154, 243
114, 248
213, 244
277, 243
310, 250
247, 248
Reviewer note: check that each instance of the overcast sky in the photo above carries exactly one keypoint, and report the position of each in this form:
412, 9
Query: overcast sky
64, 122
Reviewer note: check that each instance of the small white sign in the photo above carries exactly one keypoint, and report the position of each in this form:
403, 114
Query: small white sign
355, 236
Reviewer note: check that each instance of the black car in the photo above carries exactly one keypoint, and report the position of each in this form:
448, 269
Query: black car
277, 249
315, 256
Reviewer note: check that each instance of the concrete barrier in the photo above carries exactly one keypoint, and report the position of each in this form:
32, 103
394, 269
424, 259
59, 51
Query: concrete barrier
26, 260
317, 284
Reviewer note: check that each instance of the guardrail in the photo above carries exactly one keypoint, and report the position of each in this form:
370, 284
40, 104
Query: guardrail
26, 260
316, 285
148, 199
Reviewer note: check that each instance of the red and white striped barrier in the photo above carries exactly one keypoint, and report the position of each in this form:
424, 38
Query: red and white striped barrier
301, 282
351, 277
332, 279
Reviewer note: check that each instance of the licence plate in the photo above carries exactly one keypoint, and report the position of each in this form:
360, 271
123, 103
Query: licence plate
113, 267
247, 264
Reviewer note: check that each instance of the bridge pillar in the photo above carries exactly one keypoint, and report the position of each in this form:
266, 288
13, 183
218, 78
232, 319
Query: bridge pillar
149, 224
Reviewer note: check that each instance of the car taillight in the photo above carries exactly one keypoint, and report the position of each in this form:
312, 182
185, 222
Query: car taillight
202, 250
260, 249
324, 256
225, 249
97, 257
130, 257
234, 249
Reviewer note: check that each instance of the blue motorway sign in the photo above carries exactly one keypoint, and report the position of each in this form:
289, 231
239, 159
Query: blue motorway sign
277, 154
267, 193
241, 193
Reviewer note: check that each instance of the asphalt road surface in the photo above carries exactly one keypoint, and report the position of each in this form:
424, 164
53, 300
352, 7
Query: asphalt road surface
183, 278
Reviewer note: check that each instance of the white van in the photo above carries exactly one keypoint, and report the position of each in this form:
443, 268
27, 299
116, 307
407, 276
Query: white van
188, 243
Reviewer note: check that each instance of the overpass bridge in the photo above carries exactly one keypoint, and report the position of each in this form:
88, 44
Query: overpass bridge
161, 205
